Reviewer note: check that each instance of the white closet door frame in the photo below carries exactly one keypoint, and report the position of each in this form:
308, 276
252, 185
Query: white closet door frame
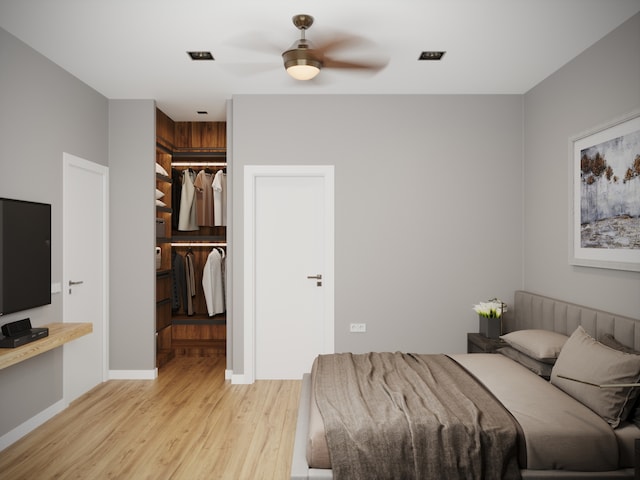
251, 174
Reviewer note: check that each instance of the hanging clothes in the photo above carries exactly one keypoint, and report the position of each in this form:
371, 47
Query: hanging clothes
178, 282
223, 268
176, 194
204, 198
212, 283
190, 278
188, 215
220, 198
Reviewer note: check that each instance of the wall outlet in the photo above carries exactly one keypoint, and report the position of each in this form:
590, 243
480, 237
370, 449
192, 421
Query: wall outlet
358, 327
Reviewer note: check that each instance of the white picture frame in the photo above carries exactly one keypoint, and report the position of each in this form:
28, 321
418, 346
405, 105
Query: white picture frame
604, 195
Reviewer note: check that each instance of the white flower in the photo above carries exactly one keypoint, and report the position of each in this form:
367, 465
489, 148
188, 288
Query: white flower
493, 308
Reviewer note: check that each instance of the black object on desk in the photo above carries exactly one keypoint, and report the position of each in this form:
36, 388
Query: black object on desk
478, 343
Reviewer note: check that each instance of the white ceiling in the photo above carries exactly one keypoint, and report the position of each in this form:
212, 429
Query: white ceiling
130, 49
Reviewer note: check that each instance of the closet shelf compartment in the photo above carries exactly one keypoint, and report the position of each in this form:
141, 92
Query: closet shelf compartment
198, 238
199, 319
163, 209
195, 152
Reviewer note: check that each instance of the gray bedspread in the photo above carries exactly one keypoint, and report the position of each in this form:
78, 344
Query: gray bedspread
404, 416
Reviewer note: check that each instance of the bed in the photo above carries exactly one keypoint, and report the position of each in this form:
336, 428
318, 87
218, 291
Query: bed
561, 426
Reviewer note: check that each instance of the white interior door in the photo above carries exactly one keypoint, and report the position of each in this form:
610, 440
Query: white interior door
290, 259
85, 273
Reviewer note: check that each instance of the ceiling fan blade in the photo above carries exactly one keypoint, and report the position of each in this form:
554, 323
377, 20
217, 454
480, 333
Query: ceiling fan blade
339, 42
256, 42
371, 66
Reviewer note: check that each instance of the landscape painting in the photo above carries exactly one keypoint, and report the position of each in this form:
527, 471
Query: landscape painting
606, 196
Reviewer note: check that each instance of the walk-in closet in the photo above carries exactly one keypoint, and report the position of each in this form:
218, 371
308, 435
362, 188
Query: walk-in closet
191, 238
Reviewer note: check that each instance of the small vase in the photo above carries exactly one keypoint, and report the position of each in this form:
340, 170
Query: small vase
490, 327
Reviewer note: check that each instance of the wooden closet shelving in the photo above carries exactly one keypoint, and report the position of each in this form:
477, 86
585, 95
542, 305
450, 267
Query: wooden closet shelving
182, 145
164, 350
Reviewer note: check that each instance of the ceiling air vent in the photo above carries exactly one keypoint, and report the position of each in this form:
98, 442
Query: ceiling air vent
431, 55
200, 55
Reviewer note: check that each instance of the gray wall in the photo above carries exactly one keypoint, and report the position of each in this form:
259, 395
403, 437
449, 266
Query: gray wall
428, 196
601, 84
44, 111
132, 141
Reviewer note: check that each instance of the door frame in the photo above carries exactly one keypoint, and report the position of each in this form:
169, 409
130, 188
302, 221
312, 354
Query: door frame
70, 161
251, 175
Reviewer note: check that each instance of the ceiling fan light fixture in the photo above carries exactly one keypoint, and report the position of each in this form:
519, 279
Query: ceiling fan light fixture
303, 71
300, 64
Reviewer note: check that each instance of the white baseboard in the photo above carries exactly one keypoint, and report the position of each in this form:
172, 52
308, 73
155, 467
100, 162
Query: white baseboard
240, 380
133, 374
228, 374
31, 424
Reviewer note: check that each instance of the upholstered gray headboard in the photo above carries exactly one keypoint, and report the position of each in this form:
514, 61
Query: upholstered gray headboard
537, 311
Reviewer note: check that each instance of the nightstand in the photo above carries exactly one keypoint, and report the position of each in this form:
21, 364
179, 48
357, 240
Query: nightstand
478, 343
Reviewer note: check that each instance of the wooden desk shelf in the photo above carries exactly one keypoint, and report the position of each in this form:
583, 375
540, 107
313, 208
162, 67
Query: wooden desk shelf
59, 334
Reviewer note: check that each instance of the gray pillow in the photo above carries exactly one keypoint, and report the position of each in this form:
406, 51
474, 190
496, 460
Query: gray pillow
543, 345
609, 340
539, 368
583, 359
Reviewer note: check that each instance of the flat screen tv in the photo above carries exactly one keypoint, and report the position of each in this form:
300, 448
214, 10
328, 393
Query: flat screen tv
25, 255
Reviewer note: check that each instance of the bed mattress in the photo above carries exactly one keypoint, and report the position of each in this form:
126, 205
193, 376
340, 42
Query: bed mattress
560, 433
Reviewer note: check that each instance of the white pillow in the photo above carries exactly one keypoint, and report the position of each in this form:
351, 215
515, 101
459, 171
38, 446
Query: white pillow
160, 203
161, 170
159, 194
543, 345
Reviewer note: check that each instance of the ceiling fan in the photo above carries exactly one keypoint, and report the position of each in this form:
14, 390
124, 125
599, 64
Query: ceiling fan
303, 60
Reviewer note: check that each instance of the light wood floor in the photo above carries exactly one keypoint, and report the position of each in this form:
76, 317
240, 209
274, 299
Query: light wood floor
188, 424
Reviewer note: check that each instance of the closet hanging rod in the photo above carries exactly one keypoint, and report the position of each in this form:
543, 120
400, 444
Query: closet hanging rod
198, 164
199, 244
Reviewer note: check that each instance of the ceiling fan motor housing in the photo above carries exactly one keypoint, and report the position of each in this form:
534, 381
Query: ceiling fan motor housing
301, 53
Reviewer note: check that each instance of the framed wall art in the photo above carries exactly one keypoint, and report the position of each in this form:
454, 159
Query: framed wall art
605, 195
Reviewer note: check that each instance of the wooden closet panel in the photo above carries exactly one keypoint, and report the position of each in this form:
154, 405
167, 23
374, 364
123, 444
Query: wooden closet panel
199, 340
196, 332
163, 287
163, 314
163, 345
163, 183
200, 135
219, 348
164, 146
165, 130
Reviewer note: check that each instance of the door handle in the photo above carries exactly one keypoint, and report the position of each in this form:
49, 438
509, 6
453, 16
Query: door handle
72, 283
316, 277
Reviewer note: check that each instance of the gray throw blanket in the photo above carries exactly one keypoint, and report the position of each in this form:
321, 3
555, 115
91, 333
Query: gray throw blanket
404, 416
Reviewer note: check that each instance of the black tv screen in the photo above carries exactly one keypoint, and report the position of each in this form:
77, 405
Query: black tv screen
25, 255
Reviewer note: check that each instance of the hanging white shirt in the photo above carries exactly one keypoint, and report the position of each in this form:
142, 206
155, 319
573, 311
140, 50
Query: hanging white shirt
212, 283
220, 198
